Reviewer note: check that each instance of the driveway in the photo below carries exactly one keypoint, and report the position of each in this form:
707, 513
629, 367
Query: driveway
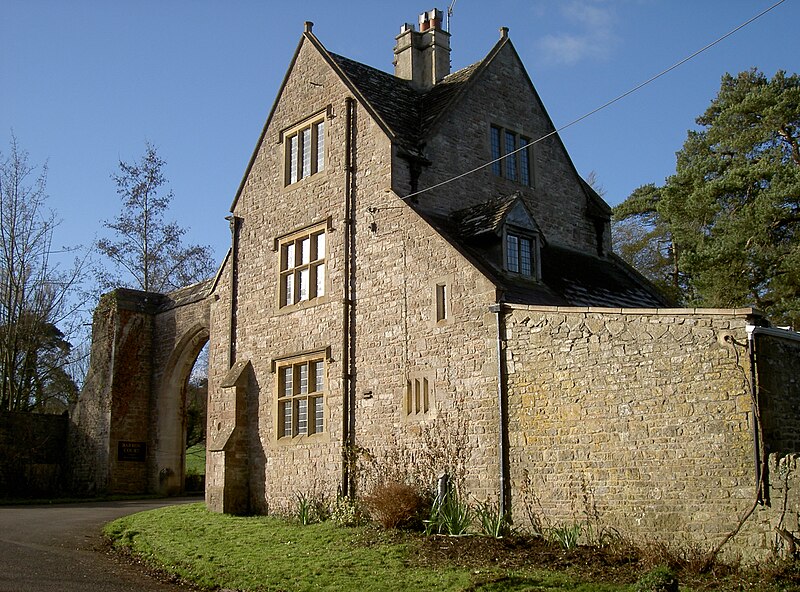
57, 548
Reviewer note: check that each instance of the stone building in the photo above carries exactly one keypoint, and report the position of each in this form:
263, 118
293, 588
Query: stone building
382, 314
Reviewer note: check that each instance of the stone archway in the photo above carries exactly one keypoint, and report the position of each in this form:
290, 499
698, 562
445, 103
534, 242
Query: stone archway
169, 442
128, 430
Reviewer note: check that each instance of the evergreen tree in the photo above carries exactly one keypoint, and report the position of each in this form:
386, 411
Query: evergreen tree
731, 211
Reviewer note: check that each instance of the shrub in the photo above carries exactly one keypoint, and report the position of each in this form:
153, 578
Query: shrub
346, 511
660, 579
396, 505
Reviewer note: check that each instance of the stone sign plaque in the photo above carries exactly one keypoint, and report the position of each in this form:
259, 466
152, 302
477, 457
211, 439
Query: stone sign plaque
132, 451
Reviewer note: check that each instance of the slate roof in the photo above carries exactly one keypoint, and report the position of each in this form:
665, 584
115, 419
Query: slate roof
485, 217
408, 113
569, 278
394, 100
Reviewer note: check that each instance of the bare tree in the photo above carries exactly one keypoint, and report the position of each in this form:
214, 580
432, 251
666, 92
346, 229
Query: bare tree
35, 292
146, 251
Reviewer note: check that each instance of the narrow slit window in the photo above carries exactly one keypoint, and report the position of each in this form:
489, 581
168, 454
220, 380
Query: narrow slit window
441, 302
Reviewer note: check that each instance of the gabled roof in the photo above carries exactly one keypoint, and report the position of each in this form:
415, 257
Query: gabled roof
392, 98
569, 278
490, 216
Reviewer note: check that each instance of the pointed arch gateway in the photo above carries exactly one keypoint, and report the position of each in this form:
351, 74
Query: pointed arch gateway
169, 411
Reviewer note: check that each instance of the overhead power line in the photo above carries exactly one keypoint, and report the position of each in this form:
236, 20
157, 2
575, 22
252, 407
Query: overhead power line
604, 105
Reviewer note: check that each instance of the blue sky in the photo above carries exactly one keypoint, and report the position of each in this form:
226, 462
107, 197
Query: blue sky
84, 83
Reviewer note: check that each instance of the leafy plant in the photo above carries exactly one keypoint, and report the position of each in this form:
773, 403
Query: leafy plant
493, 523
660, 579
566, 535
346, 511
305, 512
449, 516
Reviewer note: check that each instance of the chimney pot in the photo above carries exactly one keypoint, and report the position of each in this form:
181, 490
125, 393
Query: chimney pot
423, 58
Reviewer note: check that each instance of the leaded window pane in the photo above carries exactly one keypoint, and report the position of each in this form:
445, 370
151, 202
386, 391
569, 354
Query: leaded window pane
302, 379
287, 382
320, 244
320, 145
306, 170
497, 167
524, 163
319, 421
286, 418
302, 416
525, 258
319, 377
512, 253
320, 279
293, 159
511, 159
303, 292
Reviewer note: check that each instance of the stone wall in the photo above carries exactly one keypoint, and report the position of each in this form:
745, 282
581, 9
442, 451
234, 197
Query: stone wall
33, 454
635, 420
115, 401
393, 335
143, 347
502, 95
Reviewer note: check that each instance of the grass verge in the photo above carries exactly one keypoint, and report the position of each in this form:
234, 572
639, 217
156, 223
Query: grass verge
266, 553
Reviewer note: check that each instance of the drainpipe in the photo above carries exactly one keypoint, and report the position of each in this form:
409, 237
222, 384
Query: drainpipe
347, 302
502, 409
235, 225
757, 436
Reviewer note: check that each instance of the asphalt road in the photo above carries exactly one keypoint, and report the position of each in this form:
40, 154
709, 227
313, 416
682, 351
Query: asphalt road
58, 548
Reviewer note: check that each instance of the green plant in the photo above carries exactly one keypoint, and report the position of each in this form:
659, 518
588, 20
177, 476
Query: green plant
304, 513
449, 516
493, 523
660, 579
566, 535
346, 511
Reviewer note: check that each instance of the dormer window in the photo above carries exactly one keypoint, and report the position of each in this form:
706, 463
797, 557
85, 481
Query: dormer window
516, 166
304, 149
521, 254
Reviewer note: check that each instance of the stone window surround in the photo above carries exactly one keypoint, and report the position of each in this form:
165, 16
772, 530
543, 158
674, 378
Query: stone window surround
419, 398
315, 228
536, 260
523, 172
442, 300
296, 360
316, 165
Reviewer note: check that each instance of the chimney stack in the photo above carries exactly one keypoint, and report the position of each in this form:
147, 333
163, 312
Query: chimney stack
423, 57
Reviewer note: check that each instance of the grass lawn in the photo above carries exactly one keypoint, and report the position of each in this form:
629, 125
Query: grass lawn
268, 553
196, 459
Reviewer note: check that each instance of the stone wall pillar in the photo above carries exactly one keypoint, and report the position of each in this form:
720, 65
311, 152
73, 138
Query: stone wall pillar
227, 463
